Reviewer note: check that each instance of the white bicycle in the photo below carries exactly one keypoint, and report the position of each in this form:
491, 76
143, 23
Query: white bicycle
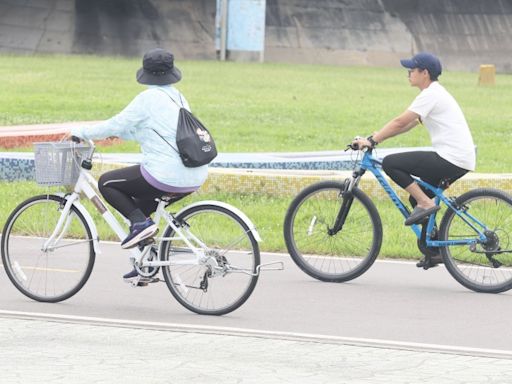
208, 254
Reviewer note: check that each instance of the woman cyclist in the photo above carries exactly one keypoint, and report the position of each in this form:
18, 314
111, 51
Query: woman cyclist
133, 190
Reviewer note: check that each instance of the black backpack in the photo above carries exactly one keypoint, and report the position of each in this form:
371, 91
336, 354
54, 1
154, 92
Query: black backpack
195, 143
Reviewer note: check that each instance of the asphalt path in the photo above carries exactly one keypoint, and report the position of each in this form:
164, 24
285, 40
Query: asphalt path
393, 301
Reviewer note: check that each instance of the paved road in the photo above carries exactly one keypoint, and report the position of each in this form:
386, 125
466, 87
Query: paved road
396, 324
393, 301
35, 351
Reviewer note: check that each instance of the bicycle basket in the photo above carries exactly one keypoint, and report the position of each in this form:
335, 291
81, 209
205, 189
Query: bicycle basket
58, 163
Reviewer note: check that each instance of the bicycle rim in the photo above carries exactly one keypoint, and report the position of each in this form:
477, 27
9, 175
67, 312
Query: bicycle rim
199, 286
332, 257
479, 271
57, 273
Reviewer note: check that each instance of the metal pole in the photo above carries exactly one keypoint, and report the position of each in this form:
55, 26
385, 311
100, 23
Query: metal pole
223, 28
262, 52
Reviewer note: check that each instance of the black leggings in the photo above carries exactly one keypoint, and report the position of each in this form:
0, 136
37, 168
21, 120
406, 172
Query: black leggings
127, 191
428, 166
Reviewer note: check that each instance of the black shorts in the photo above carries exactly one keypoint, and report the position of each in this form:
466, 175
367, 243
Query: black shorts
428, 166
127, 191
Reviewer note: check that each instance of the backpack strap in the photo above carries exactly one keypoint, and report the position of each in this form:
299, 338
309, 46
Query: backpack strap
163, 138
174, 101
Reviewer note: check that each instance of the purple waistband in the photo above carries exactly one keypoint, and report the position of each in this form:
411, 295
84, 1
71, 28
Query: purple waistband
164, 187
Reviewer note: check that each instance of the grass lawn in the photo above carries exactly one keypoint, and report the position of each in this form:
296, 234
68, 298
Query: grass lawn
256, 107
267, 213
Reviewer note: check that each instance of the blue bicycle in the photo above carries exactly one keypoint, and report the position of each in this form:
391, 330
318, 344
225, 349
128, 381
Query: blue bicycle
333, 231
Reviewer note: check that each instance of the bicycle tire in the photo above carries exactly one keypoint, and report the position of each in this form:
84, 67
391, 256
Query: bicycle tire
319, 204
217, 227
52, 275
471, 269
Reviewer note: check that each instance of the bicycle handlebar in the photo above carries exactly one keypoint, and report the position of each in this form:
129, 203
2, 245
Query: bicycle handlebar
92, 147
355, 147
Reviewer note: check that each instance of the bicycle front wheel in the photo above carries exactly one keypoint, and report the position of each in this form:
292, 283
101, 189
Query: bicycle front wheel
225, 277
47, 272
482, 267
322, 254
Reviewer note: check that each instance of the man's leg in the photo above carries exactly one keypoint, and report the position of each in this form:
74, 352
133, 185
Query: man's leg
430, 167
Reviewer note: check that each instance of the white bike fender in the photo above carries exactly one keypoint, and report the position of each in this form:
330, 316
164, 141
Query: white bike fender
231, 208
90, 223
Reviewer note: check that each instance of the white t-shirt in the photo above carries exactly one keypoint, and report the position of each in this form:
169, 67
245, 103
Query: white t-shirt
448, 129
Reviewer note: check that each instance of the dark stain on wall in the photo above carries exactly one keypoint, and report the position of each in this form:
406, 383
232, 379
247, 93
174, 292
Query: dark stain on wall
112, 26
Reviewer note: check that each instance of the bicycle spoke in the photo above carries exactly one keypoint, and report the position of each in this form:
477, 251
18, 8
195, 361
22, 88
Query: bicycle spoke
482, 267
57, 273
219, 280
313, 245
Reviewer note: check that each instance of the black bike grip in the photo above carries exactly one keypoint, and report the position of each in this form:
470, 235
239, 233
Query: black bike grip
75, 139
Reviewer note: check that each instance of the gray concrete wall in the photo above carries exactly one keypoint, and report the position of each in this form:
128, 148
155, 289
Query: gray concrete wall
464, 33
113, 27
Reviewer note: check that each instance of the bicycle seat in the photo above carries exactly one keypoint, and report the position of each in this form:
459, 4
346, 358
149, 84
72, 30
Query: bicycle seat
172, 197
444, 184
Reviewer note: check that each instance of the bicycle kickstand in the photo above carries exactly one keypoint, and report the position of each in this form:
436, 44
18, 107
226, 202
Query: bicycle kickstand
279, 266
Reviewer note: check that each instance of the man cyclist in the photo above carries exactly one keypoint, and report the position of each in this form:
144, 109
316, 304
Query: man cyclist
453, 152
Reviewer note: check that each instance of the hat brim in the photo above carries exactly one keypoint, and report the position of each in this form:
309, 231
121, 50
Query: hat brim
145, 77
407, 63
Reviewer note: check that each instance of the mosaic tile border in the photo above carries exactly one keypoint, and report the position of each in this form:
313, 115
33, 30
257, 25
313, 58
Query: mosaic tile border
267, 181
291, 183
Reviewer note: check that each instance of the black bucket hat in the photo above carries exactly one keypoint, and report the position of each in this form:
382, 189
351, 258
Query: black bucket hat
158, 68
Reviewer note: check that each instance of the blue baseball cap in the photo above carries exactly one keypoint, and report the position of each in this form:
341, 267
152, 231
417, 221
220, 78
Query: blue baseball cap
424, 60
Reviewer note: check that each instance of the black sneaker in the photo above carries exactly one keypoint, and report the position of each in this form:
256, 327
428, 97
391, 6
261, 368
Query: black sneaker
130, 275
133, 275
135, 279
139, 232
419, 214
435, 260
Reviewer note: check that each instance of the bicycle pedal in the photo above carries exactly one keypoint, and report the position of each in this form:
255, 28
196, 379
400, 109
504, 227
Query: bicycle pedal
140, 281
137, 283
150, 280
145, 242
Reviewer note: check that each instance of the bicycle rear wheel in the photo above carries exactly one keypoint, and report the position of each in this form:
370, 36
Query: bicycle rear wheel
481, 268
54, 274
225, 279
327, 256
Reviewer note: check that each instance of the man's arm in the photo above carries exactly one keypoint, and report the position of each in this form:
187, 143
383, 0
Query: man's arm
400, 124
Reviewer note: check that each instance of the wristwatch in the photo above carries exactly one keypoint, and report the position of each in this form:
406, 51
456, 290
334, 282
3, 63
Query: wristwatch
372, 142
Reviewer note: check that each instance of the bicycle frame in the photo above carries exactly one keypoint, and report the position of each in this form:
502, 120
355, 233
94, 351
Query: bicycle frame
374, 165
87, 185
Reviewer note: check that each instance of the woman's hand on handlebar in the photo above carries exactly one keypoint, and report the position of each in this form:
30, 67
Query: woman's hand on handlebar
68, 136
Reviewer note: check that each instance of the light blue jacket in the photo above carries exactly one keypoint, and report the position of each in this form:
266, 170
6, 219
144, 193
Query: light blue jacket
152, 109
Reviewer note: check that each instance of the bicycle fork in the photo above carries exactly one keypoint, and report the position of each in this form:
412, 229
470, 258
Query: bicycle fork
61, 227
347, 199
